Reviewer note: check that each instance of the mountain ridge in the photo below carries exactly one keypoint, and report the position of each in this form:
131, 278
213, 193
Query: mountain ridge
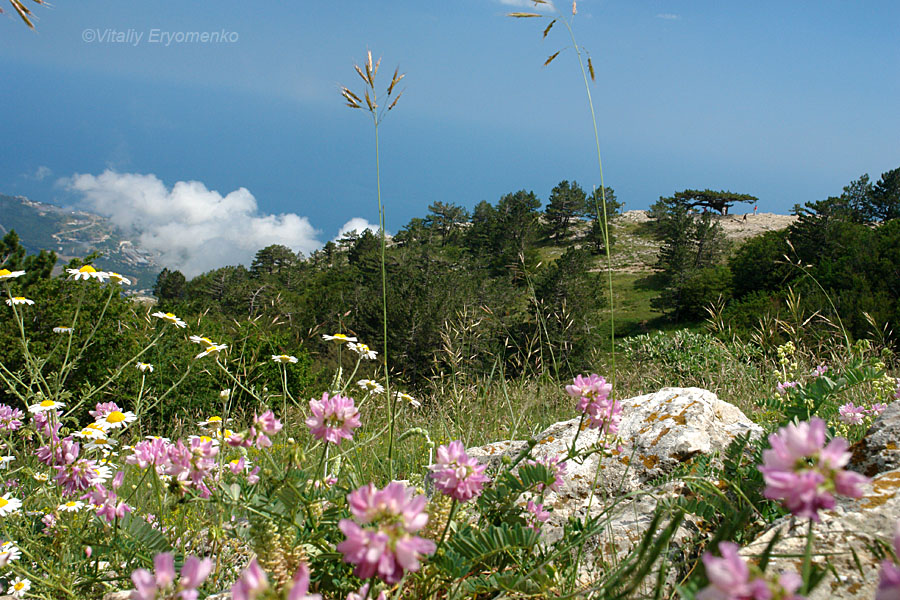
75, 234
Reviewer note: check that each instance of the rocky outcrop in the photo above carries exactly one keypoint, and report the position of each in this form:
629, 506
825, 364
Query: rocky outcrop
658, 432
845, 536
878, 451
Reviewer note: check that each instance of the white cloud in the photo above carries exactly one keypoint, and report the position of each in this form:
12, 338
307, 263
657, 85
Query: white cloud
357, 224
40, 174
192, 228
668, 16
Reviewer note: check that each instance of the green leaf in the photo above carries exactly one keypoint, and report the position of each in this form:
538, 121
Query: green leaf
147, 538
478, 546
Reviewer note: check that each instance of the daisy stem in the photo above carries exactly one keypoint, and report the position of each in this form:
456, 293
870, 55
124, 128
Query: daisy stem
171, 388
237, 382
87, 342
284, 397
137, 404
61, 378
321, 467
453, 507
350, 378
807, 558
114, 376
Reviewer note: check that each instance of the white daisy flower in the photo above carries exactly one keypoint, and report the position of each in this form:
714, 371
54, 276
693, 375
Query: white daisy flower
204, 341
94, 430
100, 443
214, 422
19, 587
170, 318
88, 272
363, 350
225, 394
144, 367
340, 338
45, 405
370, 385
107, 455
214, 349
9, 505
62, 330
284, 358
157, 437
41, 477
116, 418
224, 433
71, 506
120, 279
102, 474
19, 300
8, 553
5, 460
7, 274
403, 396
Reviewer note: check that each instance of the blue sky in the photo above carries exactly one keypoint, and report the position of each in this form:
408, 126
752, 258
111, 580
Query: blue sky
788, 101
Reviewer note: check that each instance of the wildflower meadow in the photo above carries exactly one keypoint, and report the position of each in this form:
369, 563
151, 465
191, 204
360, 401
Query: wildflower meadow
169, 450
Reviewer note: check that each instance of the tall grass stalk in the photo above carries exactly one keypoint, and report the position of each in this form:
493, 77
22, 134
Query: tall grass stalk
579, 52
371, 103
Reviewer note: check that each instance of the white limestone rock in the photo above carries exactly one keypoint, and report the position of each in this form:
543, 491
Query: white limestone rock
853, 526
658, 432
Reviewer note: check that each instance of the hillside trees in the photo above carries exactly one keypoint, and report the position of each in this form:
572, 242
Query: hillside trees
718, 201
885, 197
445, 219
13, 258
693, 246
567, 202
170, 285
596, 236
505, 235
571, 298
274, 259
847, 245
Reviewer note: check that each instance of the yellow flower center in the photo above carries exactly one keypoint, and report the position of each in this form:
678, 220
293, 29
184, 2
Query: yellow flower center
70, 503
340, 336
215, 419
18, 585
3, 502
18, 298
101, 442
205, 438
87, 269
115, 416
5, 272
46, 403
